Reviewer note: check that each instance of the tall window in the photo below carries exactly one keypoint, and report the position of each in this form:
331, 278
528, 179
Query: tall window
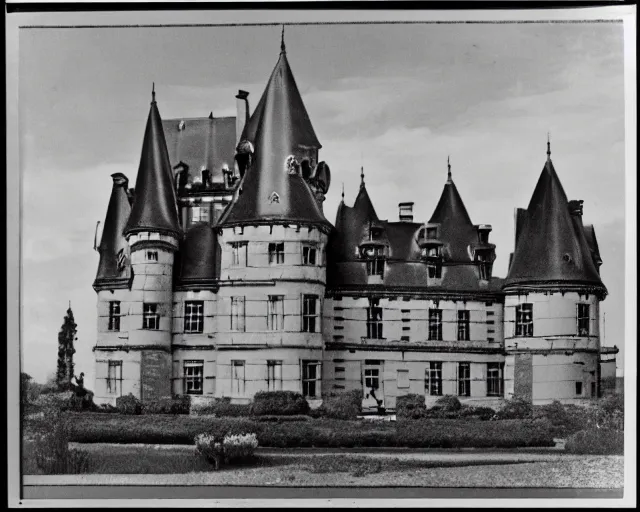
311, 379
464, 379
434, 261
114, 315
524, 319
435, 324
276, 253
374, 319
433, 379
309, 255
435, 269
193, 377
150, 316
237, 314
463, 325
199, 214
114, 378
194, 316
238, 254
275, 313
372, 378
578, 388
237, 378
583, 319
274, 375
495, 379
309, 313
375, 261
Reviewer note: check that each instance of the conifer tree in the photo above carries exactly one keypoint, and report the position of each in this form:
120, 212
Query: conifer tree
66, 337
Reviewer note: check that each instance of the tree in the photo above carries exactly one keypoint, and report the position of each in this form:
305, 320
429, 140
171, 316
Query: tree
66, 337
25, 379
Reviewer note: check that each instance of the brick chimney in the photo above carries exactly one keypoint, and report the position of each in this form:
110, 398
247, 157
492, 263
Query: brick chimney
242, 112
406, 212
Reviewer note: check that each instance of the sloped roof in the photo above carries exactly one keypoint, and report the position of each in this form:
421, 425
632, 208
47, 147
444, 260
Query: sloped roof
552, 247
269, 192
198, 259
154, 205
113, 240
202, 142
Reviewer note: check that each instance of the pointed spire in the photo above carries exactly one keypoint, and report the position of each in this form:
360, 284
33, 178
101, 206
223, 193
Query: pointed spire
449, 180
154, 207
282, 46
548, 148
153, 92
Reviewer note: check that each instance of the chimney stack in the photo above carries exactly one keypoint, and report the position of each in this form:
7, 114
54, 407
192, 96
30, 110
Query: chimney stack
406, 212
242, 112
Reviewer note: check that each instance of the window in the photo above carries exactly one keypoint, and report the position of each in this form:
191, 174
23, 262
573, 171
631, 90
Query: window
593, 390
372, 378
374, 319
403, 378
432, 233
275, 313
309, 313
578, 388
435, 324
237, 314
485, 270
276, 253
463, 325
583, 319
150, 316
433, 379
434, 268
464, 379
199, 214
238, 254
152, 255
237, 378
114, 378
311, 379
375, 260
193, 377
274, 375
114, 315
194, 316
524, 320
495, 379
308, 255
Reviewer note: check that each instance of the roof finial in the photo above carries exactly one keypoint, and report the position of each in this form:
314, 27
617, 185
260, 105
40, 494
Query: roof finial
153, 92
69, 304
448, 170
362, 176
343, 191
548, 148
282, 47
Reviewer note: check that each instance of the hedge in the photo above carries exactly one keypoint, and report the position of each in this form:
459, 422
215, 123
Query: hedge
344, 405
280, 403
596, 441
221, 407
165, 429
410, 406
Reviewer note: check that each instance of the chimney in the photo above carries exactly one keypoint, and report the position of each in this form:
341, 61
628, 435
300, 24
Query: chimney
406, 212
242, 112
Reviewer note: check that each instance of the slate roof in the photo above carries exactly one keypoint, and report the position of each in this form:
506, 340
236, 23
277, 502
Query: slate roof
552, 246
269, 193
202, 142
154, 205
198, 260
113, 240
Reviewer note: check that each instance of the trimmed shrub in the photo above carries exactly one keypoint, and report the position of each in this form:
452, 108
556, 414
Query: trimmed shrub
481, 413
345, 405
232, 448
566, 420
596, 441
612, 404
279, 403
517, 408
128, 404
177, 405
106, 408
221, 407
281, 419
410, 406
447, 403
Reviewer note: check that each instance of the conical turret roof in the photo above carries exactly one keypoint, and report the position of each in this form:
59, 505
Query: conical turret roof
551, 247
272, 190
154, 207
114, 268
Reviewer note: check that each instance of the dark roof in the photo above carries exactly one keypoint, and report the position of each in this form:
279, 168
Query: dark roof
202, 141
299, 126
457, 232
154, 205
552, 247
113, 239
280, 130
198, 259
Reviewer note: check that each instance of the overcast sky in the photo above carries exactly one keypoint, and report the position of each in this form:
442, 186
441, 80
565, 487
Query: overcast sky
396, 99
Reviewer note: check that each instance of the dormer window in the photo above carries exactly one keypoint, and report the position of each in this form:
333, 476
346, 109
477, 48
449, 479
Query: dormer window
483, 237
374, 254
484, 259
432, 233
435, 269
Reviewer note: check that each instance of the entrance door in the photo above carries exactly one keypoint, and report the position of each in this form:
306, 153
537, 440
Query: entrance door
372, 386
